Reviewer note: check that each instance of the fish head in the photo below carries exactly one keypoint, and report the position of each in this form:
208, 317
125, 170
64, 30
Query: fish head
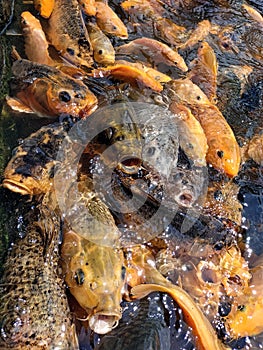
96, 278
63, 96
26, 176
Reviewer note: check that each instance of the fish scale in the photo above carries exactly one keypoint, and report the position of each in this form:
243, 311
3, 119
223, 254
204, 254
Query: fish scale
33, 299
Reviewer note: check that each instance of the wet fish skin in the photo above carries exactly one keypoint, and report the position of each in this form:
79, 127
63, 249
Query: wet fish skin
35, 37
48, 91
66, 31
94, 276
103, 51
44, 7
31, 169
34, 311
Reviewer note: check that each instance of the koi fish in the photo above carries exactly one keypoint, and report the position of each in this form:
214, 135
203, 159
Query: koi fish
109, 22
95, 277
133, 75
35, 38
198, 34
49, 92
191, 134
206, 336
88, 6
103, 51
204, 71
154, 73
223, 150
34, 312
153, 51
66, 31
44, 7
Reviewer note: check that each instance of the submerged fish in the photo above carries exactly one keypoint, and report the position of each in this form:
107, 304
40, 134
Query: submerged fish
66, 31
34, 312
49, 92
204, 71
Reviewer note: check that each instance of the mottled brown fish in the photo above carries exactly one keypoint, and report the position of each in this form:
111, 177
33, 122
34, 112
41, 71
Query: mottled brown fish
34, 312
31, 169
49, 92
66, 31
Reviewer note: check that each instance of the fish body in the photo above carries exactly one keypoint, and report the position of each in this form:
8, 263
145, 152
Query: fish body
198, 34
88, 6
66, 31
191, 134
49, 92
103, 51
223, 150
95, 277
109, 22
35, 37
131, 74
34, 312
154, 73
206, 337
44, 7
204, 71
152, 51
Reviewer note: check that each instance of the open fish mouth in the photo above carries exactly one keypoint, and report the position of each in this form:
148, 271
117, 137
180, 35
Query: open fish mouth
104, 323
16, 186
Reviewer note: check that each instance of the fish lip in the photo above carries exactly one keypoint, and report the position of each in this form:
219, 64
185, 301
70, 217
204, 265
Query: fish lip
87, 111
104, 322
17, 187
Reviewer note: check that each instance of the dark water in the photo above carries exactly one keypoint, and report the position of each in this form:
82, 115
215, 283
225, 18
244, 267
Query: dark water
156, 319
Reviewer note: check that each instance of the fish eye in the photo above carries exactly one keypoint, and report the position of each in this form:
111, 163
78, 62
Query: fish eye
123, 272
151, 151
220, 154
218, 195
64, 96
70, 51
79, 277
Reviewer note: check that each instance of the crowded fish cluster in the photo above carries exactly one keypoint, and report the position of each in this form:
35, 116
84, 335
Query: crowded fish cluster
140, 150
